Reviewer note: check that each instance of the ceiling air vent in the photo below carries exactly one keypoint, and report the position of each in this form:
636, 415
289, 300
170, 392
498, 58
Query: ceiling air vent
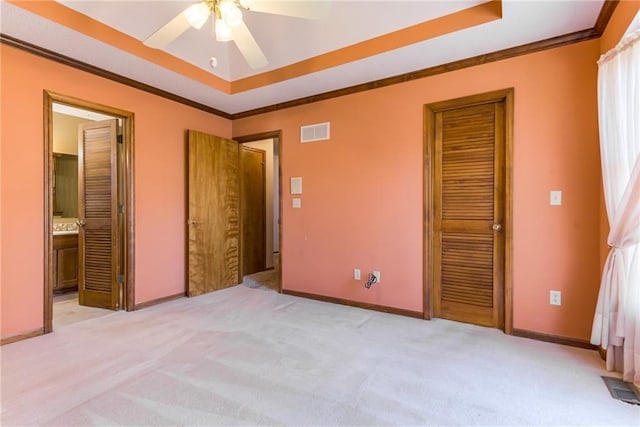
318, 132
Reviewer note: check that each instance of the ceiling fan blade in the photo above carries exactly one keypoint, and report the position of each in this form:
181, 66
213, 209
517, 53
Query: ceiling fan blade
297, 9
169, 32
248, 46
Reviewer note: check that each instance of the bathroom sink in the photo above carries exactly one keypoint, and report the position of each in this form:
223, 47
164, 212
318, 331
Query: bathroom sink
62, 226
63, 232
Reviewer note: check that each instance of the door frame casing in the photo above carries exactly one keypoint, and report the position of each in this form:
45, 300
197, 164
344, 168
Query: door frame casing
429, 113
277, 134
128, 176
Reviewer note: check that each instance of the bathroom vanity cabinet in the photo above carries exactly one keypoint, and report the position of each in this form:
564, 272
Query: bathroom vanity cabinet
65, 260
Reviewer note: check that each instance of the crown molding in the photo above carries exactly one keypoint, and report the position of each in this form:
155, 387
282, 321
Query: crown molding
604, 16
500, 55
83, 66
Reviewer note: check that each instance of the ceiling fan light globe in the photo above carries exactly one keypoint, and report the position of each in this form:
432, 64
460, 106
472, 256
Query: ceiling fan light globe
197, 15
223, 32
231, 13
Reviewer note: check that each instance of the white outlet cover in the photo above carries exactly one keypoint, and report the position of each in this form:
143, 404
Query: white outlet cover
555, 198
377, 274
356, 274
296, 203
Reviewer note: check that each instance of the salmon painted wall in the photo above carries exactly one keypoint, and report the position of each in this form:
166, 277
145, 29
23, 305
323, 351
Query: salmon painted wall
159, 181
363, 191
619, 23
362, 205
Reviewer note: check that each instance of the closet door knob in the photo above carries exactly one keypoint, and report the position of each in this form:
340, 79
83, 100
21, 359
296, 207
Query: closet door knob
192, 222
496, 227
80, 223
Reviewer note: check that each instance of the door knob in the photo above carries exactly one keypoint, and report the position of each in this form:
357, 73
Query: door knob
192, 221
80, 223
496, 227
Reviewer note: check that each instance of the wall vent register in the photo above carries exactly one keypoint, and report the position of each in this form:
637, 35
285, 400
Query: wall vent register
317, 132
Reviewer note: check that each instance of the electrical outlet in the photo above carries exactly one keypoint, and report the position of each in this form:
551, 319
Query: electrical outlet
356, 274
377, 274
555, 297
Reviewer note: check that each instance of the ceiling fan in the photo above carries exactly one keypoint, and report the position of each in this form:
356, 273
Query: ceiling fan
229, 25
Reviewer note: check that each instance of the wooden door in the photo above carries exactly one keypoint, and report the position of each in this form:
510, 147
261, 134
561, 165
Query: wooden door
213, 213
253, 204
468, 213
97, 210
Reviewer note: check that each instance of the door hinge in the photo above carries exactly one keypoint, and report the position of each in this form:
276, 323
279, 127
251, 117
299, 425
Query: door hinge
119, 138
120, 209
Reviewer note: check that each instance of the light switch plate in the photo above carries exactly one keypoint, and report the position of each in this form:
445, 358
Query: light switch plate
555, 198
296, 203
296, 185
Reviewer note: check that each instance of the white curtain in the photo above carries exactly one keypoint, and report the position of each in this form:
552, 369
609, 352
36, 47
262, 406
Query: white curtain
616, 325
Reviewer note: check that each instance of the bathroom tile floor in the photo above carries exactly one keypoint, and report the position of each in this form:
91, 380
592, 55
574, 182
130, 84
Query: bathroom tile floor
67, 310
268, 279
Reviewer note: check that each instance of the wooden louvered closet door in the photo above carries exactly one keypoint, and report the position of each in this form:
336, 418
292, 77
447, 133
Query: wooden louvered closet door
469, 193
97, 208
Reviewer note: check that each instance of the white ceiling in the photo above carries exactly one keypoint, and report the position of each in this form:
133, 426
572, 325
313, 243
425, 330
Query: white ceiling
287, 40
77, 112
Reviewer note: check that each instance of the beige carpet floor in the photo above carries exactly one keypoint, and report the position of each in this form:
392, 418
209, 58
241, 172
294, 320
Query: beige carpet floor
251, 356
67, 310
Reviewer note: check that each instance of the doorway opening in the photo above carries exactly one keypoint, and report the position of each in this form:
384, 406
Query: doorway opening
88, 201
468, 209
261, 259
